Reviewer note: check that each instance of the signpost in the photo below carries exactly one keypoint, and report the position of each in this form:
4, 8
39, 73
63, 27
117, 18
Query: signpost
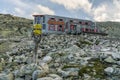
37, 32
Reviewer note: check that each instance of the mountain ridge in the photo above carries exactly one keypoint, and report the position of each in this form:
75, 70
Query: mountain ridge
20, 26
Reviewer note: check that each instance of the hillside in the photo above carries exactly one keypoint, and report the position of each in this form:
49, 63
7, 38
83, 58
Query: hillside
11, 25
63, 57
112, 28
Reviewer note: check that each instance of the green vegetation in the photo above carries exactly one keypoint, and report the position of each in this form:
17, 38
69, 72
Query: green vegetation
97, 42
85, 42
71, 66
14, 26
4, 47
96, 70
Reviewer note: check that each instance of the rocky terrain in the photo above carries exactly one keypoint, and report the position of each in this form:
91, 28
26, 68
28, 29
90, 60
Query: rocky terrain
112, 28
14, 26
60, 57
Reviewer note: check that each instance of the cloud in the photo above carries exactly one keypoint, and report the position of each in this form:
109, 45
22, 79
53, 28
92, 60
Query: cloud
75, 4
19, 11
107, 12
100, 13
27, 9
39, 9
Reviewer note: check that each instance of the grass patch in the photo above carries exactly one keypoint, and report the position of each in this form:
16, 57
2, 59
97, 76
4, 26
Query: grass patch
4, 47
97, 70
85, 42
71, 66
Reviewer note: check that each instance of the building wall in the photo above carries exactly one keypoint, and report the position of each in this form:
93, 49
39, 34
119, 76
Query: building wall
66, 25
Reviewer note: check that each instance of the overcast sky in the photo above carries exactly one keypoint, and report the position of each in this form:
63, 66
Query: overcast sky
98, 10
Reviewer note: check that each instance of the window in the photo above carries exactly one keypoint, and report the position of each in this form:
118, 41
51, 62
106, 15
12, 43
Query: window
80, 22
44, 26
43, 19
92, 30
60, 19
37, 20
52, 18
66, 25
60, 28
86, 23
83, 23
71, 20
52, 27
89, 23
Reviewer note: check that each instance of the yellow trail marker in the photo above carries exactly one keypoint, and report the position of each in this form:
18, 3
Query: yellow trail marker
37, 29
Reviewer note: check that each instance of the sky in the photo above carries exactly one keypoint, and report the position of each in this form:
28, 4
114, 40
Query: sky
95, 10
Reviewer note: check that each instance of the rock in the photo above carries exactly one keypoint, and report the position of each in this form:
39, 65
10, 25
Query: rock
25, 70
10, 76
47, 59
20, 59
18, 73
109, 60
15, 39
67, 73
70, 57
14, 51
118, 62
87, 77
63, 73
83, 62
19, 79
116, 56
1, 67
2, 64
29, 69
112, 71
6, 77
38, 74
100, 55
55, 77
29, 60
3, 77
56, 64
73, 49
44, 67
46, 78
28, 77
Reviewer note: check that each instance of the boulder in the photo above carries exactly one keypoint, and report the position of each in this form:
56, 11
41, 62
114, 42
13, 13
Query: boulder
55, 77
116, 56
10, 76
1, 67
2, 63
19, 79
118, 62
67, 73
44, 67
38, 74
6, 76
46, 78
25, 70
28, 77
109, 60
112, 71
47, 59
